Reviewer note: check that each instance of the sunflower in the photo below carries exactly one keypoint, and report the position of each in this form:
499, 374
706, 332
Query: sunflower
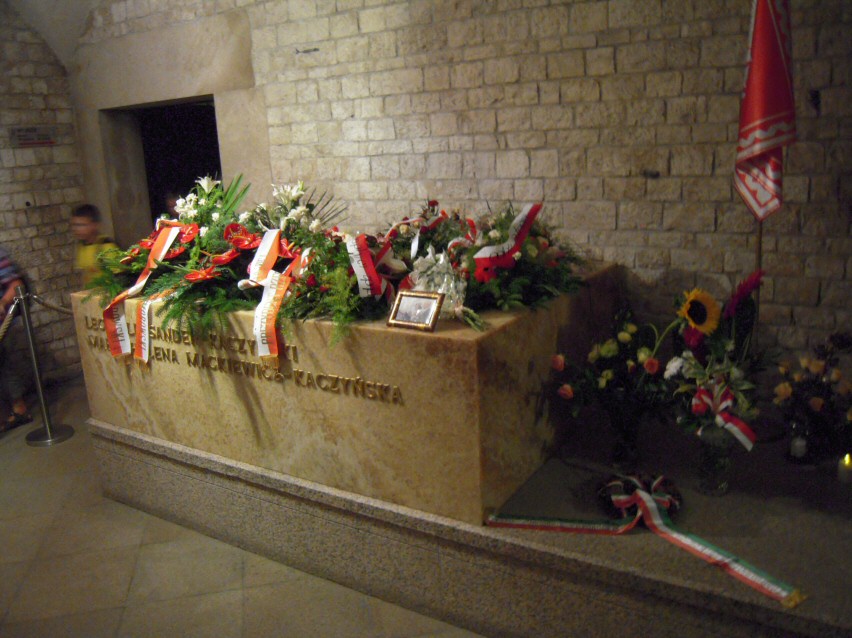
701, 310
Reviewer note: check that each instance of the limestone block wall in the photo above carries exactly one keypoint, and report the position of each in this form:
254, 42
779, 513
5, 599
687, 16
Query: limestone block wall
620, 114
39, 186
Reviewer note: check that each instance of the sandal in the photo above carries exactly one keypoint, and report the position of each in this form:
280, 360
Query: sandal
16, 420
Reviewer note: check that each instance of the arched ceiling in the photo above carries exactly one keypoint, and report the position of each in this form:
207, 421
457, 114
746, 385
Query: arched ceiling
59, 22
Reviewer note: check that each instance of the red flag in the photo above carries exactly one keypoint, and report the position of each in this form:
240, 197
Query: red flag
767, 112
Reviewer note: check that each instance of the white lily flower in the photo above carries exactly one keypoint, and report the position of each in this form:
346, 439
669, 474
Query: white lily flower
244, 217
207, 183
202, 201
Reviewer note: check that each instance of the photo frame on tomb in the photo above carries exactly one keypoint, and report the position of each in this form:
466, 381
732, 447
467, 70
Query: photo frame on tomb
416, 309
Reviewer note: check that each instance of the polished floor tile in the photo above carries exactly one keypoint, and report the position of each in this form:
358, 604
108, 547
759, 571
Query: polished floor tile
74, 564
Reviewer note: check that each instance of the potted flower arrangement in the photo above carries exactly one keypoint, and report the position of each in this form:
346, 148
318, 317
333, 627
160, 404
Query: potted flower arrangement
621, 375
712, 376
816, 401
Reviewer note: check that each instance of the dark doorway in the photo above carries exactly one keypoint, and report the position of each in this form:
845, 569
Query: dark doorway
180, 144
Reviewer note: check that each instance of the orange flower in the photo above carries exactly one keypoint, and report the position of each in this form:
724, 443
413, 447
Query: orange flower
557, 362
566, 392
783, 391
817, 366
816, 403
651, 365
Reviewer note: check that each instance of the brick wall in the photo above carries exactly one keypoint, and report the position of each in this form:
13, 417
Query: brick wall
621, 115
38, 186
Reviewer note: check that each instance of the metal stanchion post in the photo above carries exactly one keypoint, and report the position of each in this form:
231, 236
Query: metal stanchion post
48, 435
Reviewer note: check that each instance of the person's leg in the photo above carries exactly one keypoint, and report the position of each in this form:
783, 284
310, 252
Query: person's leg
14, 377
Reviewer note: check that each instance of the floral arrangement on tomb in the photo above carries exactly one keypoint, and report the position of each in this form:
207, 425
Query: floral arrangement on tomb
712, 374
707, 382
291, 257
816, 400
621, 375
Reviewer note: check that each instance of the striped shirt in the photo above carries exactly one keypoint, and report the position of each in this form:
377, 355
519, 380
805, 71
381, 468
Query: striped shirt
8, 270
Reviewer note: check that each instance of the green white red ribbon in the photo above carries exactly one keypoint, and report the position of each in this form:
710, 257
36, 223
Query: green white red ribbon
705, 400
638, 499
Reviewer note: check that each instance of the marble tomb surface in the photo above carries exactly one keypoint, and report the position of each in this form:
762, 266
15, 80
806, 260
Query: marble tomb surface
449, 422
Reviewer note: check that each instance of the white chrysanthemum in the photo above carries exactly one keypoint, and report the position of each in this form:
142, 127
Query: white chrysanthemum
202, 231
188, 213
673, 367
215, 217
315, 226
202, 201
494, 234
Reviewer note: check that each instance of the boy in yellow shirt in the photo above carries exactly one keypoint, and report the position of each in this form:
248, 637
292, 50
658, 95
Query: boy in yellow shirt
86, 227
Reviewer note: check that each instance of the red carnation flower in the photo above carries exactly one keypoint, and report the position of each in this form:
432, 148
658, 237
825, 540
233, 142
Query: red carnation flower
311, 281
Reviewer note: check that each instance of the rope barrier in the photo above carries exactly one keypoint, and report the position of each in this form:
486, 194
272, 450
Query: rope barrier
10, 315
51, 306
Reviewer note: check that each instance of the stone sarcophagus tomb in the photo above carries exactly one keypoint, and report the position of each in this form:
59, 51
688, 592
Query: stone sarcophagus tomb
449, 422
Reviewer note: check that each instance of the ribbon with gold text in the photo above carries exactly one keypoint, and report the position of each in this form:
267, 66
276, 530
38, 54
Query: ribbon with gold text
361, 259
115, 323
265, 331
767, 110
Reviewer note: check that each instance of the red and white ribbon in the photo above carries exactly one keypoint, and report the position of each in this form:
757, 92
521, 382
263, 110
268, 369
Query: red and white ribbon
361, 259
115, 322
265, 315
489, 258
142, 351
263, 261
767, 110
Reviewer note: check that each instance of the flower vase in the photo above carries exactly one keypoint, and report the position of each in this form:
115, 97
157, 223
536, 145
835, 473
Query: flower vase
624, 420
714, 469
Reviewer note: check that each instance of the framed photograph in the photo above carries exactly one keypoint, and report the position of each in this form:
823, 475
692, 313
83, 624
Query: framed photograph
416, 309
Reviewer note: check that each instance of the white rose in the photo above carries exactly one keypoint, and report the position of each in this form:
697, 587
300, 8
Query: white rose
315, 226
202, 231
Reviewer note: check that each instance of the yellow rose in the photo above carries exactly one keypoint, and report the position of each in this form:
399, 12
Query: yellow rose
624, 337
642, 354
609, 349
595, 353
817, 366
836, 375
631, 328
798, 376
784, 367
804, 363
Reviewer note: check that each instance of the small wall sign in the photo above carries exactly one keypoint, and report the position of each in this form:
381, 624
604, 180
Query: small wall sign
29, 136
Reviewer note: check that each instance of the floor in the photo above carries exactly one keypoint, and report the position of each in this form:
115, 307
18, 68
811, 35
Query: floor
73, 563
